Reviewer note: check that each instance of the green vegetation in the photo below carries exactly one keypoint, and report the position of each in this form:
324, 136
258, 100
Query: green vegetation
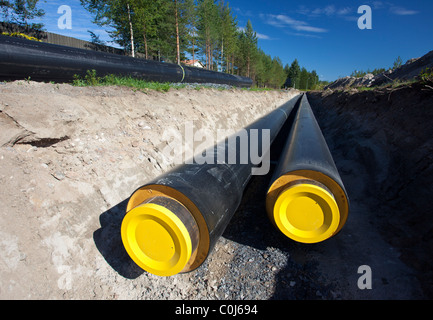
426, 77
91, 79
390, 85
360, 73
300, 78
176, 30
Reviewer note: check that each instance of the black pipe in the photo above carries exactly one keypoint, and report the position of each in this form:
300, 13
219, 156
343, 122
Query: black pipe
154, 235
306, 199
22, 58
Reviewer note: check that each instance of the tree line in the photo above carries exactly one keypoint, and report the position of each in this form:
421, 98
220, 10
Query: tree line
175, 30
300, 78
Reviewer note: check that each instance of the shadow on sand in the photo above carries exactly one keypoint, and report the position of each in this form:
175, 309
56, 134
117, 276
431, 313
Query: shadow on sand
109, 242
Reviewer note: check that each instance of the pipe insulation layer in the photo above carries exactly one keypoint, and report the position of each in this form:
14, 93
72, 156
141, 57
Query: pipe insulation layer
173, 222
306, 199
22, 58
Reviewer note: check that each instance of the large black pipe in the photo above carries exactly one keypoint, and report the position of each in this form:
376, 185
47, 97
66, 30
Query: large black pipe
307, 200
200, 199
22, 58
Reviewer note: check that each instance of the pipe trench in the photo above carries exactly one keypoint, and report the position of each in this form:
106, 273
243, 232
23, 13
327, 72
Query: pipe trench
173, 222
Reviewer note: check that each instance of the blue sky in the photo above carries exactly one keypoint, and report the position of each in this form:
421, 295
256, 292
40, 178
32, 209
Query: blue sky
323, 35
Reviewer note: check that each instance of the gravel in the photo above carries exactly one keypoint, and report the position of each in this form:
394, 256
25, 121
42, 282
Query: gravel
195, 85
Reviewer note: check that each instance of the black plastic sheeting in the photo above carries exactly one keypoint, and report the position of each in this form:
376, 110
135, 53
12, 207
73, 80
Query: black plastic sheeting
22, 58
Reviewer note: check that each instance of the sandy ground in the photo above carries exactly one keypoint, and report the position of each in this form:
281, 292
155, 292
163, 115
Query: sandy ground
70, 157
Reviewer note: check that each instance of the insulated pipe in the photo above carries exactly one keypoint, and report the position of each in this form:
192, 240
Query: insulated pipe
22, 58
173, 222
306, 199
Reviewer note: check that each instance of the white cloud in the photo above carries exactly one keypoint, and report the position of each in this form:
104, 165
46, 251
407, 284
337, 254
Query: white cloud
310, 29
283, 21
305, 35
402, 11
262, 36
259, 35
392, 8
344, 11
329, 11
378, 5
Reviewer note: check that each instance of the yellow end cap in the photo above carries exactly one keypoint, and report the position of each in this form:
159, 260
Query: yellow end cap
306, 213
156, 239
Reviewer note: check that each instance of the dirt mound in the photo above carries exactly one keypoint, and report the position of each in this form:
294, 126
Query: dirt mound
386, 141
351, 82
409, 71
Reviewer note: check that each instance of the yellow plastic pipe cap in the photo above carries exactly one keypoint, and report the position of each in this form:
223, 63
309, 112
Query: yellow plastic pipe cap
306, 213
156, 239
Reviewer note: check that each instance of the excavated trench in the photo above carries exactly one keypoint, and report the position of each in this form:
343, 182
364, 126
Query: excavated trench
65, 200
382, 144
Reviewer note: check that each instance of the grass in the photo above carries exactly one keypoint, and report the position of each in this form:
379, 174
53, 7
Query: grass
426, 77
259, 89
392, 85
91, 79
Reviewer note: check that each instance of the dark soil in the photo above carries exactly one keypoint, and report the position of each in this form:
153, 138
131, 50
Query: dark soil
388, 135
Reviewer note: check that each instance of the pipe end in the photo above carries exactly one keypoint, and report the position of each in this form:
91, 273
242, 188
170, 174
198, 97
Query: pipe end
158, 236
306, 213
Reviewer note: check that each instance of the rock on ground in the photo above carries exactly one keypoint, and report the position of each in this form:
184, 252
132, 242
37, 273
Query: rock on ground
69, 159
407, 72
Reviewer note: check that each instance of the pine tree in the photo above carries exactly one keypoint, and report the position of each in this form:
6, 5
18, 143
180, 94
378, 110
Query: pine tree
168, 30
116, 14
314, 80
146, 14
21, 12
207, 29
228, 34
293, 74
249, 48
191, 21
278, 74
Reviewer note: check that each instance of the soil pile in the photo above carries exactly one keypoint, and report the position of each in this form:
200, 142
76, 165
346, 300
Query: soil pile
409, 71
384, 139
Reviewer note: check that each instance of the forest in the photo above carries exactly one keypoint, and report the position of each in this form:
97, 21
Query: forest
205, 30
179, 30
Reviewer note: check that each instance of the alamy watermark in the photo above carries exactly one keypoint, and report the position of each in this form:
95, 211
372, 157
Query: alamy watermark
203, 147
365, 280
65, 21
366, 20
